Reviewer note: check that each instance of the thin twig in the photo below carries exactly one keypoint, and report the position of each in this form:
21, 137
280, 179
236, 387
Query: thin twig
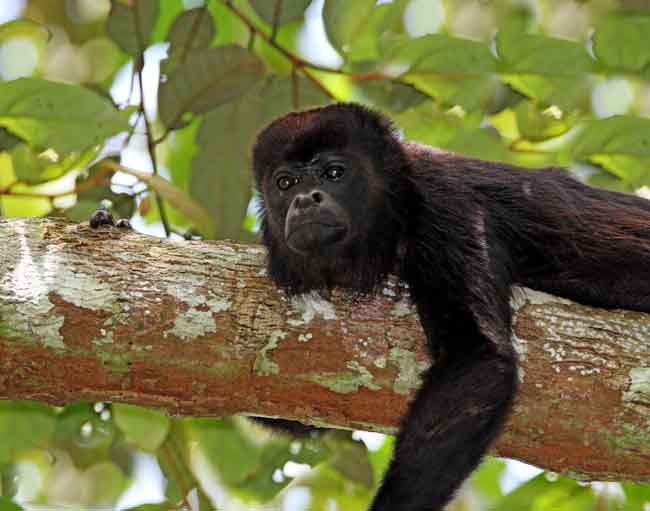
295, 59
295, 98
184, 485
276, 18
251, 39
187, 45
151, 148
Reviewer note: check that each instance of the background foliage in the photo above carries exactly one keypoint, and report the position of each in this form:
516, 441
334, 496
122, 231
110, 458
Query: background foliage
150, 107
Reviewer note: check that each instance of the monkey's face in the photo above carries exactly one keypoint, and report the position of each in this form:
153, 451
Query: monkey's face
330, 179
317, 205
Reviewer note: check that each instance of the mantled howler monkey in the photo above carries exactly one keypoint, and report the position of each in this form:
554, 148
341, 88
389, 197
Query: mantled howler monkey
345, 203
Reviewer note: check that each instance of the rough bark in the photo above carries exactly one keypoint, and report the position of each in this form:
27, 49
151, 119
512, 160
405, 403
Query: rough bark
196, 328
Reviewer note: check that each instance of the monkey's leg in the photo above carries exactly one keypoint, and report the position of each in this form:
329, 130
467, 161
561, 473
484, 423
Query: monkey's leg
102, 216
457, 412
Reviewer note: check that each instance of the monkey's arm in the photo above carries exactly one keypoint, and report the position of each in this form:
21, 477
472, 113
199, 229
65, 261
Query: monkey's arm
462, 293
455, 416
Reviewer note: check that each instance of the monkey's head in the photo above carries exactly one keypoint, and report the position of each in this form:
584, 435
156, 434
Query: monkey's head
334, 198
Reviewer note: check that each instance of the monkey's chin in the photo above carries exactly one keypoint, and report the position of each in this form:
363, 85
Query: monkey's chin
311, 238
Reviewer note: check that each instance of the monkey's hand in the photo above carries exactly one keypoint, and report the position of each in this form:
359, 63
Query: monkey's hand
102, 216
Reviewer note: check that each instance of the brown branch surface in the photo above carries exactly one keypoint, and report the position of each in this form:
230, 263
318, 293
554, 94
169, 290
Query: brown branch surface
196, 328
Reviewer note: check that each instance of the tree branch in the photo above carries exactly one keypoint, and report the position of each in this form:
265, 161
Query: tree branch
196, 328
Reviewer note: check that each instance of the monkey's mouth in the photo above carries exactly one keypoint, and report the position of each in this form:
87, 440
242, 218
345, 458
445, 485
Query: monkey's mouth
311, 236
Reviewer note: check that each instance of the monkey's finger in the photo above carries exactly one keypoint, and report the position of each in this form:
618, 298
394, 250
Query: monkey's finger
123, 223
101, 216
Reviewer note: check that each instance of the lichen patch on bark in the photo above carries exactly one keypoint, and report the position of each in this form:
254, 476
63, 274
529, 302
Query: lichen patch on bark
409, 370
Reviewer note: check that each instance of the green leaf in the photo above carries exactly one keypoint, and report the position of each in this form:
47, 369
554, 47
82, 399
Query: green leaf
286, 36
181, 148
621, 42
486, 479
147, 429
343, 24
567, 92
633, 171
484, 144
430, 127
33, 168
380, 459
173, 456
276, 449
637, 496
540, 494
23, 45
103, 483
381, 27
7, 174
86, 437
440, 54
28, 167
471, 92
7, 140
162, 506
234, 455
538, 125
289, 9
231, 29
616, 135
54, 115
328, 486
169, 10
515, 18
221, 179
105, 58
245, 455
130, 26
192, 30
391, 95
538, 54
604, 179
351, 460
16, 206
208, 78
24, 425
6, 504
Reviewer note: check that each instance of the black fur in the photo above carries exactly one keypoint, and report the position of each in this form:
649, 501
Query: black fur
461, 232
103, 216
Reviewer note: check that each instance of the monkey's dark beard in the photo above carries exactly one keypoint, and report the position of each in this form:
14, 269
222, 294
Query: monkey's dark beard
361, 271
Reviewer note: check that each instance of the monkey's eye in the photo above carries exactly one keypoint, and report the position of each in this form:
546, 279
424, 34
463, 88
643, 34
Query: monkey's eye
285, 182
334, 172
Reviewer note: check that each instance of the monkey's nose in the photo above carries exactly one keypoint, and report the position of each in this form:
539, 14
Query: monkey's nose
307, 200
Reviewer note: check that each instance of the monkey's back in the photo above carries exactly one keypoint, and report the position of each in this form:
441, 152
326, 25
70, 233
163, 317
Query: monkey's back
562, 236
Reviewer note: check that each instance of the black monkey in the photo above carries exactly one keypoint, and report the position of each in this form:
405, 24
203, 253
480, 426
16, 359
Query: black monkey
345, 202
